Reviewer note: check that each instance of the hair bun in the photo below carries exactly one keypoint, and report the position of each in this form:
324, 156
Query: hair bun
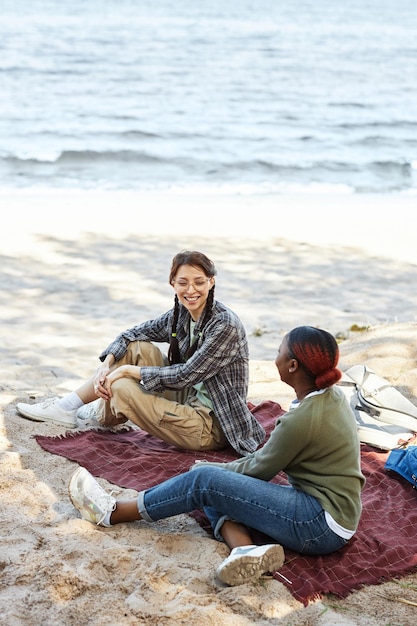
328, 378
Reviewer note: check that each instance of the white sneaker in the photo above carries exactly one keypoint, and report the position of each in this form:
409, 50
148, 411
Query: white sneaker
87, 414
248, 563
92, 415
89, 497
48, 411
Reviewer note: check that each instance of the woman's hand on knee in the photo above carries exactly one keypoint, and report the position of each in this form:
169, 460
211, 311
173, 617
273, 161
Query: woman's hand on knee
100, 382
124, 371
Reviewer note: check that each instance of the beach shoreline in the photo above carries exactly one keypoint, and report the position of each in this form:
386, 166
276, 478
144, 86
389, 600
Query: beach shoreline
381, 225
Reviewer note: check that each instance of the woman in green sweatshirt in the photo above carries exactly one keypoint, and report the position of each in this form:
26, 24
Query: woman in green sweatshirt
315, 443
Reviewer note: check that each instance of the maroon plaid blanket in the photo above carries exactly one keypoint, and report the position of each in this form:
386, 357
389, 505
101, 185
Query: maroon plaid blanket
383, 547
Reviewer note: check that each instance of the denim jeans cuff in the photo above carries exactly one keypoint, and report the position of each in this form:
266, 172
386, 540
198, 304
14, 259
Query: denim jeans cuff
218, 526
141, 507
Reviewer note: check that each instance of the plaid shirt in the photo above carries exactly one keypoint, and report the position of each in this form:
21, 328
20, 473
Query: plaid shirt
221, 361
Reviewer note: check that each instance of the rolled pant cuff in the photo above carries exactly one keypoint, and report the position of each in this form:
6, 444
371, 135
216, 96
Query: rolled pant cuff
141, 507
218, 526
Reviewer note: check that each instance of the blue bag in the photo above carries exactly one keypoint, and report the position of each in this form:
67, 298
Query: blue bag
403, 461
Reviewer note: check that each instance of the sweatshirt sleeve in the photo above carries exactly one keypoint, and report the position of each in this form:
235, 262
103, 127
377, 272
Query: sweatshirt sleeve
278, 452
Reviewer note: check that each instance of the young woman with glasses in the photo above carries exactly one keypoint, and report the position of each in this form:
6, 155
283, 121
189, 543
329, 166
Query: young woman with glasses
195, 397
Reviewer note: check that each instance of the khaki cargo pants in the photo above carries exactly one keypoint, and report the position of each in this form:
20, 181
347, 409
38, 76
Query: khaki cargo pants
176, 417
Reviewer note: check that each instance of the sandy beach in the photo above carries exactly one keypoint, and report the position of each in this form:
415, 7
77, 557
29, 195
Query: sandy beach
79, 267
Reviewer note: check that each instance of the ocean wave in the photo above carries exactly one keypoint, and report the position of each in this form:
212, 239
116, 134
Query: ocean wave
206, 164
405, 124
83, 156
139, 168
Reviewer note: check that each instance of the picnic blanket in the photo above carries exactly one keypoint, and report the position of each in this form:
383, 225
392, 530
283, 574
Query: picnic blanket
383, 547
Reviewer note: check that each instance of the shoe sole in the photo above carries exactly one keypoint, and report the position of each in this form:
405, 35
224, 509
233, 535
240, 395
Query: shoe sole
36, 418
73, 480
248, 568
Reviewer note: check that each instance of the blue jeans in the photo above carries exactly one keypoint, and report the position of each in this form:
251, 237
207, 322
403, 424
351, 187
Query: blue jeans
290, 517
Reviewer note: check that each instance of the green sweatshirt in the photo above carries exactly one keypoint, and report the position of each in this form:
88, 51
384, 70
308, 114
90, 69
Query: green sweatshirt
317, 446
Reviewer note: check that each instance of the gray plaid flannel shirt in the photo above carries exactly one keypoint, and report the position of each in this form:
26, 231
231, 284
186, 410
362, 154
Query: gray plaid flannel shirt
221, 361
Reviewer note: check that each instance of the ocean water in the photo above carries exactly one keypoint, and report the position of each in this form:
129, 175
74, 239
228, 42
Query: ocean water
246, 96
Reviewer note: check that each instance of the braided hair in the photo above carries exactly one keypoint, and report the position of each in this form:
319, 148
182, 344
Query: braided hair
200, 261
317, 353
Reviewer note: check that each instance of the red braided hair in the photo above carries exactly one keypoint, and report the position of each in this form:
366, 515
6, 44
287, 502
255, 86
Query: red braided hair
317, 353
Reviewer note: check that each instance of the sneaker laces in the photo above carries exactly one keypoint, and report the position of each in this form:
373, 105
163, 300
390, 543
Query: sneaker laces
88, 412
47, 403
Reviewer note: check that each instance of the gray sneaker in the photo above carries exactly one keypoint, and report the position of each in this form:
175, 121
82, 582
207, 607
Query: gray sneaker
247, 563
89, 497
92, 415
48, 411
87, 415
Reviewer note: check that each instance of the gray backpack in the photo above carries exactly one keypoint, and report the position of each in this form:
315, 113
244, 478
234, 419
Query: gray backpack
385, 418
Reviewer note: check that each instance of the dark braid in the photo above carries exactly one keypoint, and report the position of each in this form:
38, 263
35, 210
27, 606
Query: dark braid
174, 355
317, 353
195, 259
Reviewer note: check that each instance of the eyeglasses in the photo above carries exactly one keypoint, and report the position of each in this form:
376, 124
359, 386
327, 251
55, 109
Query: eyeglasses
199, 283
